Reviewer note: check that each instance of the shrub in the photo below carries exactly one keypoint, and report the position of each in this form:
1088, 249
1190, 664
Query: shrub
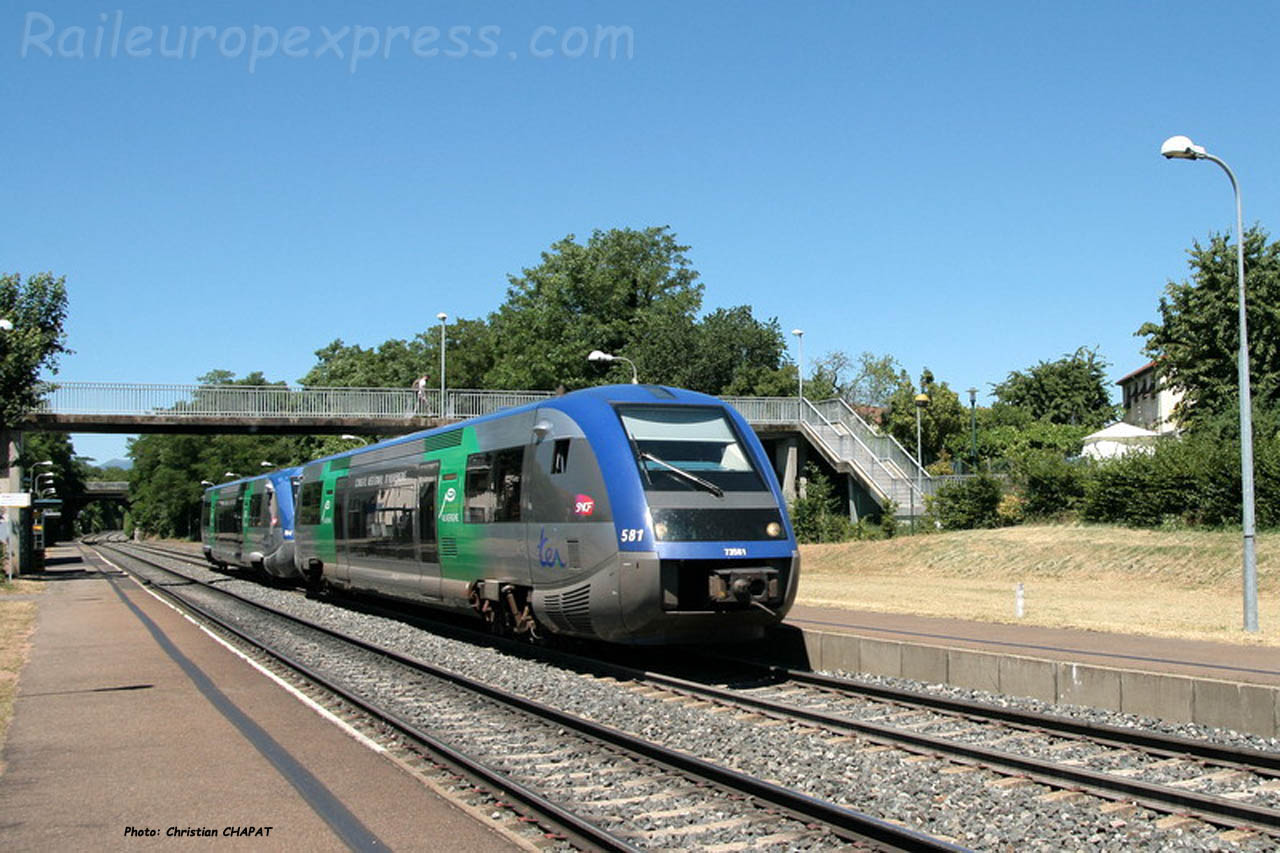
819, 516
1050, 484
1012, 510
969, 503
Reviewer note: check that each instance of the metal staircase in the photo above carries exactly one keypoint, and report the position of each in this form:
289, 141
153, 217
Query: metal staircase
850, 445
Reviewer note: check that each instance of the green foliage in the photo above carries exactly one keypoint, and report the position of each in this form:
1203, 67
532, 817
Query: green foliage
37, 308
1190, 480
397, 363
1197, 338
1008, 433
613, 294
967, 504
943, 421
867, 380
1072, 390
818, 516
1050, 484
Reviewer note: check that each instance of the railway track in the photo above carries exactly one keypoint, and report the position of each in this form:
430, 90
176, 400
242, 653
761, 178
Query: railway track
1127, 779
602, 786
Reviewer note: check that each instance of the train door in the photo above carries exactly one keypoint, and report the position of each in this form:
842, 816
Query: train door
342, 554
237, 545
428, 544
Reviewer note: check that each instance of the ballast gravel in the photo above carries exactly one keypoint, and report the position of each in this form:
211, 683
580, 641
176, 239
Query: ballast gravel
972, 807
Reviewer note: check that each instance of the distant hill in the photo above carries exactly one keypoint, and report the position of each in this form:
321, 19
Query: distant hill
126, 464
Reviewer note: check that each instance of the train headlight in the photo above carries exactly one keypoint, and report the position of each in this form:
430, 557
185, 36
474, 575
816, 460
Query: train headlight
659, 530
773, 529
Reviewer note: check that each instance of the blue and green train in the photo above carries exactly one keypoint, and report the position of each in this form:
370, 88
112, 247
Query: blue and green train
249, 523
629, 513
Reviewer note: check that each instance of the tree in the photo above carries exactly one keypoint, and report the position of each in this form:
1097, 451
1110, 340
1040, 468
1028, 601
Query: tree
867, 380
940, 421
1071, 390
37, 309
1196, 341
396, 363
732, 349
610, 294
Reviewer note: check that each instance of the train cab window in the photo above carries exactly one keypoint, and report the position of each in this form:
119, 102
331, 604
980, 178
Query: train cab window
689, 448
560, 456
493, 486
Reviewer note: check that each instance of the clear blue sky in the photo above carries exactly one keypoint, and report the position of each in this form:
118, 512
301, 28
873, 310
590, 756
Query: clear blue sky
971, 187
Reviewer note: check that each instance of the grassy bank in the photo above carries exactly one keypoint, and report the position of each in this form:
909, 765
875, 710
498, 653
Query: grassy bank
17, 621
1177, 584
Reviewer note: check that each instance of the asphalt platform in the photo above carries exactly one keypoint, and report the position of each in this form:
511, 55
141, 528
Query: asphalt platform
133, 729
1195, 658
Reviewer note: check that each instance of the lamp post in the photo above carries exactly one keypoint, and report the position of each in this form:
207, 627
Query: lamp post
799, 333
599, 355
206, 483
1182, 148
349, 437
443, 318
230, 475
973, 425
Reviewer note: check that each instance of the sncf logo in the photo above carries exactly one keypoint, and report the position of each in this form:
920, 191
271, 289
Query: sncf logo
584, 505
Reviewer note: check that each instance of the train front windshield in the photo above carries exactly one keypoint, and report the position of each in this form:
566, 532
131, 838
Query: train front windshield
689, 448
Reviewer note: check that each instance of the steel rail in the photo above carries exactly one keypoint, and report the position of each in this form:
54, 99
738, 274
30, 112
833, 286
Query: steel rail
850, 821
1100, 732
574, 827
1213, 809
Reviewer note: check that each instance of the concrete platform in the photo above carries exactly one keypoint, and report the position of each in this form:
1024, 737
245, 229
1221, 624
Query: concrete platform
131, 725
1216, 684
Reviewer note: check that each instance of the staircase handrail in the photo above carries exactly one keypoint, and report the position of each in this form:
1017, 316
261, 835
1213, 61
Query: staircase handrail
885, 487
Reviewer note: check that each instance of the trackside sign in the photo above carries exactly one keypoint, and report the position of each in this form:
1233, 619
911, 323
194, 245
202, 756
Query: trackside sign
15, 499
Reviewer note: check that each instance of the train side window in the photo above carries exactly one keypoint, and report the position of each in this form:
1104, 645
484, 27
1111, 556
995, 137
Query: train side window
493, 486
312, 495
480, 494
508, 472
560, 457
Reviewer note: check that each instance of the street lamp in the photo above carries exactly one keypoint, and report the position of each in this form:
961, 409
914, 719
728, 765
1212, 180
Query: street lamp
6, 325
266, 464
1182, 148
349, 437
598, 355
206, 483
799, 333
973, 423
230, 475
443, 318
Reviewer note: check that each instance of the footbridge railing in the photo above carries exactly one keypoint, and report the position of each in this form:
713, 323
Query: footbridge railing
880, 462
273, 401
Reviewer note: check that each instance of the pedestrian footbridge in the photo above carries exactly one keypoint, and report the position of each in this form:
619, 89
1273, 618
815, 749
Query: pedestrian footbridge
874, 466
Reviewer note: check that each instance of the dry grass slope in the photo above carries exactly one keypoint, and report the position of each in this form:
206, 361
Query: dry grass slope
1178, 584
17, 621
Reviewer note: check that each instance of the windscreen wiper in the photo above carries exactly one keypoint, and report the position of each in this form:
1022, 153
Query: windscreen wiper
683, 474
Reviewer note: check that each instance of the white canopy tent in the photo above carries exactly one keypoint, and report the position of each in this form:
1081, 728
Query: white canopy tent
1117, 440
